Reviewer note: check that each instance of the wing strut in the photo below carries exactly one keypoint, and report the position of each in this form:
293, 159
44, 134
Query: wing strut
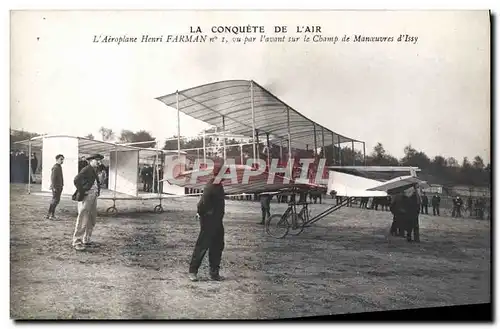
328, 212
323, 143
315, 142
340, 151
178, 125
253, 119
290, 165
364, 154
353, 154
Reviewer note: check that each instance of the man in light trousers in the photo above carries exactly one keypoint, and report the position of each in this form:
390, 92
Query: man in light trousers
88, 189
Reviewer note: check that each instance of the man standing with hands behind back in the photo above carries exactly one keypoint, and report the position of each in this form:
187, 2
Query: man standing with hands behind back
56, 185
87, 190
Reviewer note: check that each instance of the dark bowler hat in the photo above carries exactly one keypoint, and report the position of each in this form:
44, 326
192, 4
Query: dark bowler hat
95, 156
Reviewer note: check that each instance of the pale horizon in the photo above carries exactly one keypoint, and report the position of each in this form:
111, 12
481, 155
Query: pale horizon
367, 92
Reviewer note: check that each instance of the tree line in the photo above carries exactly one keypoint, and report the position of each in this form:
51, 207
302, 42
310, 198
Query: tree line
437, 170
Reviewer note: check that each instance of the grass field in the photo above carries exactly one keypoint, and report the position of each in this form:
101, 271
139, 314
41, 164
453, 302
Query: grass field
138, 270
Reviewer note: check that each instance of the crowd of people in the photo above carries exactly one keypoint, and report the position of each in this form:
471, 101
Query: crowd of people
476, 208
20, 167
150, 177
406, 207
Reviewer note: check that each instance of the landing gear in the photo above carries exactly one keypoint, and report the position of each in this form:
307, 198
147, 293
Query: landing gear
293, 222
112, 211
158, 209
297, 222
277, 226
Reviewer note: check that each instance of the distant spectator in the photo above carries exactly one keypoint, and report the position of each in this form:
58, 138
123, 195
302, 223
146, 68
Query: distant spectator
457, 207
265, 206
20, 168
34, 166
101, 173
436, 200
425, 204
82, 163
470, 206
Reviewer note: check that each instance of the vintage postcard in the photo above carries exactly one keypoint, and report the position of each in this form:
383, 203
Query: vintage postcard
250, 164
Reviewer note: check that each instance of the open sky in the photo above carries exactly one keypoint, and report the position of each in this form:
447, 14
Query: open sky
434, 94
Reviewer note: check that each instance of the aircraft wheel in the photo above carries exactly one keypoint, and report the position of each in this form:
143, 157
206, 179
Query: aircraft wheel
277, 226
300, 222
158, 209
112, 211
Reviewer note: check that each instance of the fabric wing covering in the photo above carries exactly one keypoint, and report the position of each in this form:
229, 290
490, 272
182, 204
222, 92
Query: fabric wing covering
353, 186
233, 100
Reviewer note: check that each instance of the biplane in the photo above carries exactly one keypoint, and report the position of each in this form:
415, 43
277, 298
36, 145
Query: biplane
246, 108
234, 107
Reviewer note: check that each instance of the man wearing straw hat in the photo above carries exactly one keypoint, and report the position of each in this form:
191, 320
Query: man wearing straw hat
87, 190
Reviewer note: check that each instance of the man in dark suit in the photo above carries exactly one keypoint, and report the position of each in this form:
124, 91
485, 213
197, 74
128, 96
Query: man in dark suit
265, 206
457, 207
436, 200
56, 185
398, 211
425, 204
211, 209
413, 205
87, 190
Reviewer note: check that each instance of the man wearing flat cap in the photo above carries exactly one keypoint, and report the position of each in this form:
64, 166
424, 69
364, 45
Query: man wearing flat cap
211, 208
87, 190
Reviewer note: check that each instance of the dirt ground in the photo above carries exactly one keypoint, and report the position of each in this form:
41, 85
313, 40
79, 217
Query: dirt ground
342, 264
